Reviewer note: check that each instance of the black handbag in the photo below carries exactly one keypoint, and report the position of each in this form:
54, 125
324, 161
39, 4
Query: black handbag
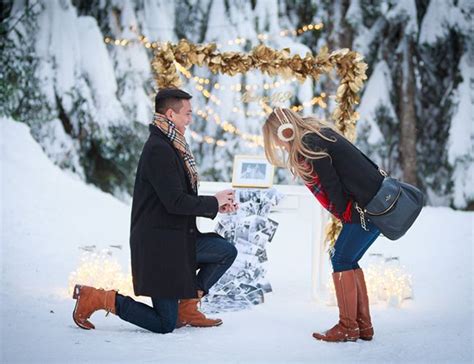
394, 208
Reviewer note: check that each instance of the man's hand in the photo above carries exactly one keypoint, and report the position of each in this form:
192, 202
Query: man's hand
225, 197
228, 208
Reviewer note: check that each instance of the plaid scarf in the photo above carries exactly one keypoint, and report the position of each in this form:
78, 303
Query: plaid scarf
179, 142
318, 191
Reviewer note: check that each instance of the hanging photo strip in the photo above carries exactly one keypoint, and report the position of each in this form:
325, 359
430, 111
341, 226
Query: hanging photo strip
250, 230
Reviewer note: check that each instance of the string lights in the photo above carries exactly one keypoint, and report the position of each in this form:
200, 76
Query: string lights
253, 140
387, 282
100, 270
200, 83
142, 39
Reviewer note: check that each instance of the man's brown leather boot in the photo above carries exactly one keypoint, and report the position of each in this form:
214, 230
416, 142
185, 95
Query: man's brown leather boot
89, 300
189, 314
347, 328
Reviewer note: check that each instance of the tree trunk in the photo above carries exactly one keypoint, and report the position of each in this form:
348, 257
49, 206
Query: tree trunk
340, 32
407, 114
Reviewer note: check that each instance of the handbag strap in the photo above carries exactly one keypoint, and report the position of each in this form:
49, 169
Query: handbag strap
357, 207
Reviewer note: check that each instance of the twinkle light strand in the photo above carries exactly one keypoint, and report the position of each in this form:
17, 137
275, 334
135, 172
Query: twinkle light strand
253, 140
144, 40
386, 283
201, 81
101, 270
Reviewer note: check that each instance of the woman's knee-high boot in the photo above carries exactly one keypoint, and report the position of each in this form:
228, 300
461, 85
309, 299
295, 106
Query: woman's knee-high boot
347, 328
366, 331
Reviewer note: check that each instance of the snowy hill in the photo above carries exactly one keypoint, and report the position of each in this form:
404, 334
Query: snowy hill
49, 217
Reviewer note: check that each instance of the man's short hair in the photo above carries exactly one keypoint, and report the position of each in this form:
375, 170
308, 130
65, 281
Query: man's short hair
170, 98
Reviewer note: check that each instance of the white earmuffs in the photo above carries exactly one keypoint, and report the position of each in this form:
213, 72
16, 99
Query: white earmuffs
286, 131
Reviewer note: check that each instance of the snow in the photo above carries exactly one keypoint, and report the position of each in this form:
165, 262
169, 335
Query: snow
461, 131
377, 93
98, 70
74, 55
158, 20
218, 30
366, 37
461, 137
63, 44
354, 14
406, 11
59, 146
443, 15
47, 216
267, 14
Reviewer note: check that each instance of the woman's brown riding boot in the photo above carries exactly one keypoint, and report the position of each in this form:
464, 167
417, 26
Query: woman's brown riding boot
366, 331
189, 314
347, 328
89, 300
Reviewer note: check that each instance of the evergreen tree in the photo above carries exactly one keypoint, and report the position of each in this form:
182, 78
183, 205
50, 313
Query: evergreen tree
20, 91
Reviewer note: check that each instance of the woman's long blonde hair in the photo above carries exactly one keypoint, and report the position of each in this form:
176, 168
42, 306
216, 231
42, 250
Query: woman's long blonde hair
301, 127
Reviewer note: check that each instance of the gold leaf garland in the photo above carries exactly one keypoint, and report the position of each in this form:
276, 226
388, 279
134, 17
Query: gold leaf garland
349, 66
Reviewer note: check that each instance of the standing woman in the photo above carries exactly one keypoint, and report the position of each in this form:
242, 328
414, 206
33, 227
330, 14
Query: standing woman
339, 176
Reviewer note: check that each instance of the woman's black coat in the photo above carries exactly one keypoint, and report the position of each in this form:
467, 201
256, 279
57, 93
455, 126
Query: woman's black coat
347, 174
163, 225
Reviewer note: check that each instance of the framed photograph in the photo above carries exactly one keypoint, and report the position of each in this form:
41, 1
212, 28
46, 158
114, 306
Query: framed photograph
252, 171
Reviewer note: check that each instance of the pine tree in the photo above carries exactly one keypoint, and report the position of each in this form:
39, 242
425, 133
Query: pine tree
19, 84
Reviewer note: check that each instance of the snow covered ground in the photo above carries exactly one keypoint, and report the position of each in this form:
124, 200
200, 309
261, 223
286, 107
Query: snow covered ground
47, 215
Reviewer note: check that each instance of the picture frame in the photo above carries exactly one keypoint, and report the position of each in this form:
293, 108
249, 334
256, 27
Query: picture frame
252, 171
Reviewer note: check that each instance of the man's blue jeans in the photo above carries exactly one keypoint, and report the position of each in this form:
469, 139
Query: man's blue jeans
214, 255
351, 245
161, 318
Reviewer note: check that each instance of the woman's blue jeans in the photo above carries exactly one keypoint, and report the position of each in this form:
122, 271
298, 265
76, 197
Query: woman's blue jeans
214, 255
351, 245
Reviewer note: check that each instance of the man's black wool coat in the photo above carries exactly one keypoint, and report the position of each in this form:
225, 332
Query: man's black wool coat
163, 224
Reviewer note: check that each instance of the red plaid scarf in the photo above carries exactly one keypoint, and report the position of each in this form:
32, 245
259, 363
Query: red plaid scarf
318, 191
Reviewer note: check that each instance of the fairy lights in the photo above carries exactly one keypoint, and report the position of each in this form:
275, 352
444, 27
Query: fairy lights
247, 97
205, 87
387, 282
210, 114
100, 270
142, 39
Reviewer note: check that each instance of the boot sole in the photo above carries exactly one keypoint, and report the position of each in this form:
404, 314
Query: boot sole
202, 326
336, 341
76, 295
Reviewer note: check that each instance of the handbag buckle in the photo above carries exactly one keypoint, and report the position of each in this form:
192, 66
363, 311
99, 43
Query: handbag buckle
382, 172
